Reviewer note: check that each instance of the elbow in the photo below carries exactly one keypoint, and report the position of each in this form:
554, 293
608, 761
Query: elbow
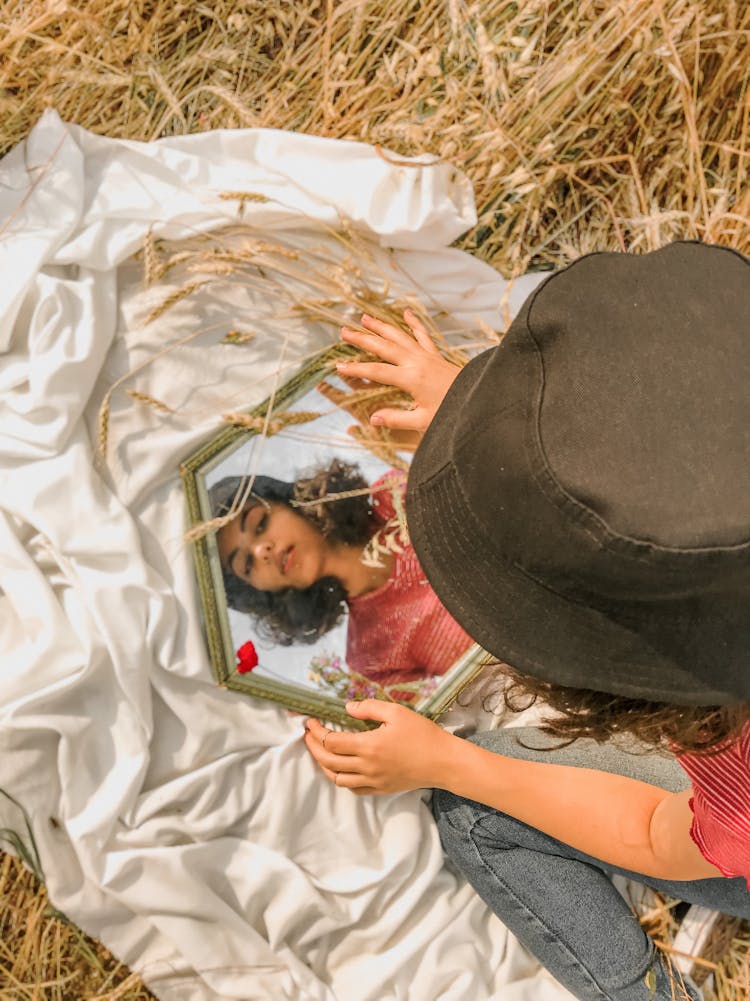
675, 855
662, 861
666, 859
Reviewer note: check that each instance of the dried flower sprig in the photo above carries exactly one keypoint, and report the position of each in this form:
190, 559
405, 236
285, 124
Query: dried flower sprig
330, 671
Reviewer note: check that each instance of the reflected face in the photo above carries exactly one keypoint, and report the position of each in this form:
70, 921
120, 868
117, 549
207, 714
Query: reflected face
271, 547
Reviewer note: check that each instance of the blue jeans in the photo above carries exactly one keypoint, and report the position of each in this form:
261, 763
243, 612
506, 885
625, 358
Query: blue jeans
561, 903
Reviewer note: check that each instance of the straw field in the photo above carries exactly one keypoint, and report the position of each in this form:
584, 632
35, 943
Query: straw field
582, 124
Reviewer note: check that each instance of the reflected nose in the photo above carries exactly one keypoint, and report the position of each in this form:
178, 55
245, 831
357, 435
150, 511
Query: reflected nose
262, 550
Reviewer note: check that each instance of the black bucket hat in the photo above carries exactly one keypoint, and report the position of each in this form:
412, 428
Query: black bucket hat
581, 500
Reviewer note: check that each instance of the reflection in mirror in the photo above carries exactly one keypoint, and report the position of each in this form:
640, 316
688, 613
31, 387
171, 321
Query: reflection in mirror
312, 592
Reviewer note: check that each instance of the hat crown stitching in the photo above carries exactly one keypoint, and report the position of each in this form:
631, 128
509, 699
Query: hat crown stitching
593, 523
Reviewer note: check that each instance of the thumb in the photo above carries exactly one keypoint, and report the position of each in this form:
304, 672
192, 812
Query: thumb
371, 709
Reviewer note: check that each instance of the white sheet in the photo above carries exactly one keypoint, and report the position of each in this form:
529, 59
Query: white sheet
194, 835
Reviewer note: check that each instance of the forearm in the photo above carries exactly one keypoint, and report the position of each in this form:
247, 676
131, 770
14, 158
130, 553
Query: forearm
622, 822
607, 816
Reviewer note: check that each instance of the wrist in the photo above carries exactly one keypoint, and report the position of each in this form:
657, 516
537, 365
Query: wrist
452, 758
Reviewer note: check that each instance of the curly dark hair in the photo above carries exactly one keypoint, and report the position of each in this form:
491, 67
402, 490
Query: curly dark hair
296, 615
658, 726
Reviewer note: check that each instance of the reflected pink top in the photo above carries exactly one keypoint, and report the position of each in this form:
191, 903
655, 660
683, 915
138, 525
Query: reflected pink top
401, 631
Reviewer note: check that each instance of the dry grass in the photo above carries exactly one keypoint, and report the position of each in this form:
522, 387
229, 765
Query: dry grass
583, 125
45, 958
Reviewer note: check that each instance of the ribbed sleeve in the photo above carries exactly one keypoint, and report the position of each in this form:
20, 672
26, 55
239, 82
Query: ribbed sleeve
721, 806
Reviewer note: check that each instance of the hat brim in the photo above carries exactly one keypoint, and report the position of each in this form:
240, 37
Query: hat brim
533, 628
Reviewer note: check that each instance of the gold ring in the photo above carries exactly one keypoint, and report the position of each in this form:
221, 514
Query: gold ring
325, 736
336, 780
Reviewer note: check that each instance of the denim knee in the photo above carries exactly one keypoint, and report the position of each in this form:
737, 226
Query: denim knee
455, 818
445, 805
452, 810
458, 819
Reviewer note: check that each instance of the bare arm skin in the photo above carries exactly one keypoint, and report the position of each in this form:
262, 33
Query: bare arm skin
618, 820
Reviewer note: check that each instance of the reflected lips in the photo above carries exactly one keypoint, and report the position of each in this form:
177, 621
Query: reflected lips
285, 559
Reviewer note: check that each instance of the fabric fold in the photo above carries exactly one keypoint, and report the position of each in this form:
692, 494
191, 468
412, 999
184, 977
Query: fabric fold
193, 833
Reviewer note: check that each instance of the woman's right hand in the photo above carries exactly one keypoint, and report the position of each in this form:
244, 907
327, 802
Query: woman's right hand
412, 363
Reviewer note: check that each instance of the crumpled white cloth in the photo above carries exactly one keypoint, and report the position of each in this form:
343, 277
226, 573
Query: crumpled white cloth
184, 825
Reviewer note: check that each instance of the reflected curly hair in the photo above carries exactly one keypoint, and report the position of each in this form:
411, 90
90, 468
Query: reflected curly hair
601, 716
296, 615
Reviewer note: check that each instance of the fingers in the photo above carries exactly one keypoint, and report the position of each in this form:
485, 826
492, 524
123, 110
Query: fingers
335, 741
345, 780
421, 333
333, 762
389, 341
336, 396
344, 770
339, 396
381, 347
387, 375
355, 384
410, 361
357, 783
375, 709
388, 331
400, 420
373, 762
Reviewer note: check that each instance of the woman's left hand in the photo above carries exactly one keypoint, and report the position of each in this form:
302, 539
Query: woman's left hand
407, 751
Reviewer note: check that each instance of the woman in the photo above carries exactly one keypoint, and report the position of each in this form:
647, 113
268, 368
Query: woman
293, 558
589, 479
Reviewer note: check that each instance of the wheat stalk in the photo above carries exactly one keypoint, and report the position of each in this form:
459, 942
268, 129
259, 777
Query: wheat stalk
150, 401
277, 423
581, 127
173, 298
237, 337
244, 196
152, 269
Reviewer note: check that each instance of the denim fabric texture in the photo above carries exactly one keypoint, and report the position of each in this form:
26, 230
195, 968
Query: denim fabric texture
560, 903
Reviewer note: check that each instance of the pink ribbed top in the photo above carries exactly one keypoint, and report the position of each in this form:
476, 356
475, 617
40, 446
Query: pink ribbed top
721, 805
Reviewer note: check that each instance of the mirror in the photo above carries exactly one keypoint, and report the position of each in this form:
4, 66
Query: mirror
311, 592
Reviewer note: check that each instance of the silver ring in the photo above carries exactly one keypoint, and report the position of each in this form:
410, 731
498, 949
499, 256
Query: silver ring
336, 780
